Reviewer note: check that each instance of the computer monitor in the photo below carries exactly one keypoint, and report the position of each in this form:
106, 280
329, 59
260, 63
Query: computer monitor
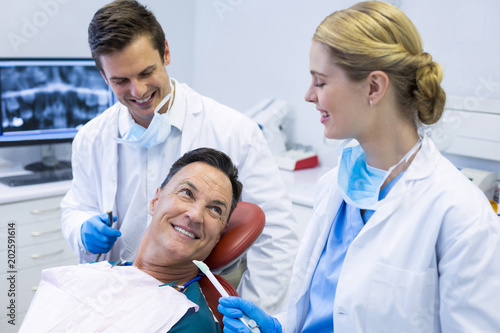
46, 101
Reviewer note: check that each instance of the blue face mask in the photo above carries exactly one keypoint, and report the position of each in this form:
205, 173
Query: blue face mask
157, 131
359, 183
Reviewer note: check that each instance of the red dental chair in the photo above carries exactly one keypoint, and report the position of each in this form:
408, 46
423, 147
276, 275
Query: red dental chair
244, 227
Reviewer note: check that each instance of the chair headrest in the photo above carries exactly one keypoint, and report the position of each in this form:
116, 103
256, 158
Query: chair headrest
244, 227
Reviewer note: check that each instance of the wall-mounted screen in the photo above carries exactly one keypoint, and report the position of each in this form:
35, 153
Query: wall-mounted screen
48, 100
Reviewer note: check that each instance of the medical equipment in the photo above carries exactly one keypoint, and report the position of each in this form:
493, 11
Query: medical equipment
297, 158
250, 323
108, 223
270, 115
485, 180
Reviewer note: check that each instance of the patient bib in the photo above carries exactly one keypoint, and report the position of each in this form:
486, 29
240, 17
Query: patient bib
100, 298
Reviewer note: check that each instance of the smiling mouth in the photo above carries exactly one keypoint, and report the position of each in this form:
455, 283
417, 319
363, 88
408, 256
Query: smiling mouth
185, 232
145, 100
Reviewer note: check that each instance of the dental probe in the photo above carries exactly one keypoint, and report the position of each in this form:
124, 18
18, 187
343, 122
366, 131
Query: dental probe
205, 270
108, 223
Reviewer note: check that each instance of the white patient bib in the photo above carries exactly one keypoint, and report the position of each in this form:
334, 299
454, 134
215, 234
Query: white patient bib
98, 298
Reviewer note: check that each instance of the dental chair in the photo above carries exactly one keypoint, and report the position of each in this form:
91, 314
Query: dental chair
244, 227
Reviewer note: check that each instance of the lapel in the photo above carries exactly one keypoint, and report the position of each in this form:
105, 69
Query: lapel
110, 162
321, 223
192, 123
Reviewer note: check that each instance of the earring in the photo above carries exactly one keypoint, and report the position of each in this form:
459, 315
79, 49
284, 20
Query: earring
371, 102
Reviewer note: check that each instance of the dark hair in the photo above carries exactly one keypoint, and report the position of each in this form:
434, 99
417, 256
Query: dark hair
118, 24
216, 159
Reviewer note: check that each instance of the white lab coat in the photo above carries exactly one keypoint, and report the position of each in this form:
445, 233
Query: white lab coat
207, 124
428, 260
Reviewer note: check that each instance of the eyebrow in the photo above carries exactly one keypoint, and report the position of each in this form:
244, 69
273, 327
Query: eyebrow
152, 67
216, 201
318, 73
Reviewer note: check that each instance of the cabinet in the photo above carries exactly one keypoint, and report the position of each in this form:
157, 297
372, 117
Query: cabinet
39, 244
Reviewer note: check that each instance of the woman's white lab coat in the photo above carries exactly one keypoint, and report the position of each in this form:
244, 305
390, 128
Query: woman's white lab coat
207, 124
428, 260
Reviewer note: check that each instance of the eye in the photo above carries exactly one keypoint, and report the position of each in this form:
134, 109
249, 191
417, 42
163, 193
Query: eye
216, 209
119, 83
319, 85
187, 192
147, 74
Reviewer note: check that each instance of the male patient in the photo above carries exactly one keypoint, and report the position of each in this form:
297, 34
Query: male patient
158, 292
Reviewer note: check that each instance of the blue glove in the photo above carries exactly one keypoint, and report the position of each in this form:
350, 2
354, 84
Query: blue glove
97, 237
233, 308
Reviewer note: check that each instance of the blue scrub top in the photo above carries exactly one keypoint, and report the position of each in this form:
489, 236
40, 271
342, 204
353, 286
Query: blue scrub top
346, 226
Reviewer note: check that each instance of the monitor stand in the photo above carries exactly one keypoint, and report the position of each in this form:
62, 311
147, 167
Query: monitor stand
49, 161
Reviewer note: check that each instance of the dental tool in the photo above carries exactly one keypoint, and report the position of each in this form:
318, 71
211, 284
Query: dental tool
108, 223
250, 323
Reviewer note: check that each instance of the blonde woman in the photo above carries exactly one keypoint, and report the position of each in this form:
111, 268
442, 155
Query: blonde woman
400, 240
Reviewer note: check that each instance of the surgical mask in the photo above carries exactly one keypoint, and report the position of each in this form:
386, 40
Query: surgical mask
359, 183
157, 131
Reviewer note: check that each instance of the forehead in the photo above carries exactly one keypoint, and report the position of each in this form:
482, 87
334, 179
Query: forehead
320, 55
207, 179
139, 54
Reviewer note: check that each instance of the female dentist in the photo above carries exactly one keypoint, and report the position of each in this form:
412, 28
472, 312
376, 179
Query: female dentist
400, 240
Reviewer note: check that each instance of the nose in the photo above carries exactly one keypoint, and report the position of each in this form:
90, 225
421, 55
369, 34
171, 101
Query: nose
195, 213
310, 95
138, 88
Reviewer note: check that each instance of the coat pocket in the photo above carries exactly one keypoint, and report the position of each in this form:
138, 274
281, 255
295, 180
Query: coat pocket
402, 301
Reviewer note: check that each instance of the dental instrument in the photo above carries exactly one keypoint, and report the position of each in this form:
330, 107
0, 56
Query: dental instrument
108, 223
250, 323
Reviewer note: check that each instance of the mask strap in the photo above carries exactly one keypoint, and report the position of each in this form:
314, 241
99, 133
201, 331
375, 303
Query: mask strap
166, 99
412, 151
408, 155
340, 148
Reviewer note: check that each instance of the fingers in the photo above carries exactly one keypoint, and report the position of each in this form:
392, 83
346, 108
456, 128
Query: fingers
230, 312
232, 325
97, 237
108, 232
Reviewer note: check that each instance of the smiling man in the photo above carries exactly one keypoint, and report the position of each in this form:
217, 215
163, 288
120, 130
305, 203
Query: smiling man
120, 157
159, 292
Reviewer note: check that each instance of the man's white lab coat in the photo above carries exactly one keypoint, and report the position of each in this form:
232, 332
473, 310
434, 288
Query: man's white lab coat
206, 124
428, 260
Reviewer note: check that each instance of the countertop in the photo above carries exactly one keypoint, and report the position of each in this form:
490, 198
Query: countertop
22, 193
301, 184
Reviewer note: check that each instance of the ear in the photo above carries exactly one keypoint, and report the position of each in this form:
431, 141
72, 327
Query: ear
154, 201
378, 84
166, 55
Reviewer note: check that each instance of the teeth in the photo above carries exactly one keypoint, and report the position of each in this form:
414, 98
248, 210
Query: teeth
324, 114
143, 100
184, 232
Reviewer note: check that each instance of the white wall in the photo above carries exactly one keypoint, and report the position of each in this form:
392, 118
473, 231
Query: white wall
247, 50
240, 51
58, 28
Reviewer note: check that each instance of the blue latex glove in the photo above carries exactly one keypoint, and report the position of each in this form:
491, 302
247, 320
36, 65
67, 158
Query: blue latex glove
233, 308
97, 237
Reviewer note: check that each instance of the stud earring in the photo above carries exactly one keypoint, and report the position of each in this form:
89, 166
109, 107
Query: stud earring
371, 102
